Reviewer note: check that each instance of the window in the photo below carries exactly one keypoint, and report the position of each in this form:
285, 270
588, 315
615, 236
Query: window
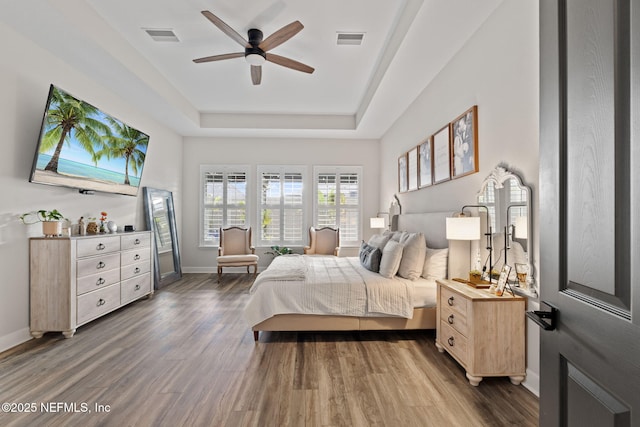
281, 213
224, 200
337, 201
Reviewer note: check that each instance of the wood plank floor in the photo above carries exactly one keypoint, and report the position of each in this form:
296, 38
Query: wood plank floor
186, 357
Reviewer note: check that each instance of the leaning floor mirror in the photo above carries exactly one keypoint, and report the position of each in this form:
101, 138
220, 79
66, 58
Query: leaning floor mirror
160, 216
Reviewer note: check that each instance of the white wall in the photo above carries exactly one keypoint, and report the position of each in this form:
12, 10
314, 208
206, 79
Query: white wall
253, 152
25, 74
498, 71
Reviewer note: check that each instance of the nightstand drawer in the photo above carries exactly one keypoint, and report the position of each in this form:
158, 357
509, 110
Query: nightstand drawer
455, 319
453, 301
453, 341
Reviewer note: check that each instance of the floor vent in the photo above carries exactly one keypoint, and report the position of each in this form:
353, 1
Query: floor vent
162, 35
354, 39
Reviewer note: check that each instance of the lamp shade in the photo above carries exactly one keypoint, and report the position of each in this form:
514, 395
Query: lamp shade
522, 227
376, 222
463, 228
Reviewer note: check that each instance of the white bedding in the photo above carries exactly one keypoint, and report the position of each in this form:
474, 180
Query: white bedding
333, 285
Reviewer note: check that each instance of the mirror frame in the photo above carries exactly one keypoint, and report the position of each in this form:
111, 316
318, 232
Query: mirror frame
498, 177
149, 194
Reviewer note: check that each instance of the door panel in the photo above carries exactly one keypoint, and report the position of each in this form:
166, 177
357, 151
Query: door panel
589, 238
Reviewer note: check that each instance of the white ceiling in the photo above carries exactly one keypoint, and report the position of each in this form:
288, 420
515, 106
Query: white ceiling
355, 91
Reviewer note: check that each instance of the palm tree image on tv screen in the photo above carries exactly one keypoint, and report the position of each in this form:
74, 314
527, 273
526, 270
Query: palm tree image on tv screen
82, 147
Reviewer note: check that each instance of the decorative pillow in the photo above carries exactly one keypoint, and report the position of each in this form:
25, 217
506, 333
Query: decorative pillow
394, 235
370, 257
413, 254
379, 240
391, 256
435, 264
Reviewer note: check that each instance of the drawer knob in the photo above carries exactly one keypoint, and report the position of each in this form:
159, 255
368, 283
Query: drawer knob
136, 270
450, 300
100, 265
100, 281
451, 341
100, 247
450, 319
136, 242
137, 287
101, 302
136, 257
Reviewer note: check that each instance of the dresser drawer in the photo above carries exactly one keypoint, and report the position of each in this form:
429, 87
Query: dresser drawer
135, 288
453, 341
97, 303
133, 241
97, 246
98, 264
455, 319
453, 301
134, 256
97, 281
137, 269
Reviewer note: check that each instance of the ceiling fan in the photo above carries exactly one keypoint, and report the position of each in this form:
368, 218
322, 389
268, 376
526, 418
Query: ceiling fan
255, 49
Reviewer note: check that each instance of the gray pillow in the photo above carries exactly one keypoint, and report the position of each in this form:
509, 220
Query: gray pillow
379, 240
391, 256
415, 247
370, 257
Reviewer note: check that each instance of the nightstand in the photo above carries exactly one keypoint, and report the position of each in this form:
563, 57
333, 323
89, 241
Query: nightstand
483, 332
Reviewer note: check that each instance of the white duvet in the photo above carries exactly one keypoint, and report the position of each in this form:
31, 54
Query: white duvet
326, 285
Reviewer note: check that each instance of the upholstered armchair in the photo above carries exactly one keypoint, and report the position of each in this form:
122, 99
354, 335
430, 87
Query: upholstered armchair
323, 241
235, 250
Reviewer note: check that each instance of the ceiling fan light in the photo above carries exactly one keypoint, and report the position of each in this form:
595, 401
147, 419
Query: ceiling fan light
255, 59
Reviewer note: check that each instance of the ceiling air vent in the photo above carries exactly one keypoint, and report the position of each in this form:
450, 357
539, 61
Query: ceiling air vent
161, 35
354, 39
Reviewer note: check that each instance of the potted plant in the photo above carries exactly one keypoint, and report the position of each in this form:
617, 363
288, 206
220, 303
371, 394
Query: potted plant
51, 221
277, 251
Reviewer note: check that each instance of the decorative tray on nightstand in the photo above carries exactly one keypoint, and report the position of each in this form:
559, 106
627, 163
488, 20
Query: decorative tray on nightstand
483, 284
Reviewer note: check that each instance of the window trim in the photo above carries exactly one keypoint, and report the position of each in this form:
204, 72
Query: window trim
281, 169
225, 169
320, 169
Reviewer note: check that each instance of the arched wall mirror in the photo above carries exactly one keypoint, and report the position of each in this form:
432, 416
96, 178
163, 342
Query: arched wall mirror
509, 203
161, 220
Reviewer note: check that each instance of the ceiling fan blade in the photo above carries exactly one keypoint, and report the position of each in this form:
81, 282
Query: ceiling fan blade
225, 28
219, 57
281, 36
289, 63
256, 74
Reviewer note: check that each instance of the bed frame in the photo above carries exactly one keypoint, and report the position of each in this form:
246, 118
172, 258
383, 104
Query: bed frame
432, 225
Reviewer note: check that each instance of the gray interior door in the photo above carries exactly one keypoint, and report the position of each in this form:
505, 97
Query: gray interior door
590, 211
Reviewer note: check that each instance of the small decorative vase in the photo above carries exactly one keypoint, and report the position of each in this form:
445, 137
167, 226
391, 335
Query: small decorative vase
112, 227
92, 228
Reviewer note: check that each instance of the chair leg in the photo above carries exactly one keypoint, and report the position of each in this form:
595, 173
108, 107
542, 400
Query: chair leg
219, 273
255, 271
247, 269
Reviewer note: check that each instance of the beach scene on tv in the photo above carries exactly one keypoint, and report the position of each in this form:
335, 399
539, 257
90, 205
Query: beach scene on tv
82, 147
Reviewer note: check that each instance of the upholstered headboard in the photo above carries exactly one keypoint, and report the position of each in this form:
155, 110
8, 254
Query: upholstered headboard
433, 226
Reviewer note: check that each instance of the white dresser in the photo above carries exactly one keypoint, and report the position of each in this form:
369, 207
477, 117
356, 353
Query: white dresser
75, 280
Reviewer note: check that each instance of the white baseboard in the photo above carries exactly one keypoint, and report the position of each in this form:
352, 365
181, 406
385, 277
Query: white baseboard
13, 339
532, 382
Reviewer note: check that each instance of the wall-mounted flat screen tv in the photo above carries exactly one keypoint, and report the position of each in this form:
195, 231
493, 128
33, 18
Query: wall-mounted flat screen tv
85, 148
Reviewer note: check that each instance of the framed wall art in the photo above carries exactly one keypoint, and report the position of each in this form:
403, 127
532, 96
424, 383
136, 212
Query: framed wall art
403, 184
464, 143
441, 155
425, 177
412, 169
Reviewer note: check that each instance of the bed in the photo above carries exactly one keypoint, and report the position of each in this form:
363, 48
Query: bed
278, 302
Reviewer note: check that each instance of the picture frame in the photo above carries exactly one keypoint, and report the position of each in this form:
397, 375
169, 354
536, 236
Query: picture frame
441, 155
464, 143
502, 281
403, 184
412, 169
425, 164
